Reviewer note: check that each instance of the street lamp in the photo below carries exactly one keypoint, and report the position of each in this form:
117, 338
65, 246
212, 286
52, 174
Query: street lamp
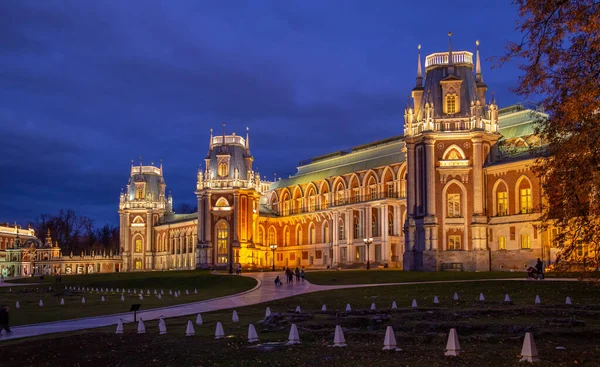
273, 248
368, 242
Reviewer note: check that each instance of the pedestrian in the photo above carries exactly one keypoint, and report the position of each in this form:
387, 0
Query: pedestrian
539, 266
240, 269
277, 281
2, 279
4, 319
302, 274
297, 274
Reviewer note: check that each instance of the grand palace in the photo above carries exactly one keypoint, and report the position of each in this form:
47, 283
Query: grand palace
453, 192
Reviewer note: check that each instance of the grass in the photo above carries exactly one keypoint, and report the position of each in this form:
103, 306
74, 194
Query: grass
208, 286
490, 332
376, 276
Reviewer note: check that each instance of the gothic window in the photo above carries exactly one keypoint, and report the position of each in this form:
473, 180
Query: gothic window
222, 242
340, 198
453, 205
260, 236
286, 237
525, 242
373, 192
454, 242
374, 225
138, 264
525, 198
326, 233
223, 169
311, 234
139, 192
390, 190
451, 104
502, 203
298, 235
356, 227
390, 224
139, 245
341, 231
272, 239
355, 195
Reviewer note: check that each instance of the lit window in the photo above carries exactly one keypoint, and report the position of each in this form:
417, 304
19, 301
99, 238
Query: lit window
341, 230
526, 203
373, 192
390, 190
260, 236
501, 243
326, 233
271, 237
502, 203
355, 195
138, 264
311, 234
287, 237
451, 104
553, 237
525, 242
453, 205
299, 236
223, 169
454, 243
311, 203
139, 245
356, 228
222, 242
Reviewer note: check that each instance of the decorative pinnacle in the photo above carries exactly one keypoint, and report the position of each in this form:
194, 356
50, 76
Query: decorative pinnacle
477, 43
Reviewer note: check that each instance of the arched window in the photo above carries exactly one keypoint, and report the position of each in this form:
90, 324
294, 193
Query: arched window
502, 203
341, 230
311, 234
525, 242
222, 242
356, 227
391, 222
139, 245
222, 202
286, 236
272, 237
374, 224
326, 238
260, 235
525, 199
223, 169
298, 235
451, 104
453, 205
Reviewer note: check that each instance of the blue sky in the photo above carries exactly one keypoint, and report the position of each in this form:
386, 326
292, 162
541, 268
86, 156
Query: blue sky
87, 86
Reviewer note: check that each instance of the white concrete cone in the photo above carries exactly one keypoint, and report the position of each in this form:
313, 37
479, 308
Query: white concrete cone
455, 296
170, 292
122, 298
41, 303
176, 295
96, 290
162, 291
436, 300
187, 293
101, 289
141, 297
338, 338
112, 291
537, 300
162, 327
389, 342
348, 308
293, 338
373, 308
506, 298
234, 316
134, 291
17, 305
189, 330
159, 296
155, 292
82, 300
195, 291
394, 305
267, 312
453, 346
481, 297
129, 291
414, 303
141, 327
198, 319
119, 327
219, 333
147, 292
568, 301
62, 301
298, 310
529, 351
117, 290
252, 335
102, 299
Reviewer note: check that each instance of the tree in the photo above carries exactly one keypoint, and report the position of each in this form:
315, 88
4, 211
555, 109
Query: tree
186, 208
560, 50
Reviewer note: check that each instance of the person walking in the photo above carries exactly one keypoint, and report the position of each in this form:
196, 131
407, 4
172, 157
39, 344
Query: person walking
297, 274
539, 266
4, 319
302, 274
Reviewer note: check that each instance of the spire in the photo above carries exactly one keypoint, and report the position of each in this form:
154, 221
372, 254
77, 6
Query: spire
478, 74
210, 141
419, 72
223, 142
140, 164
247, 139
450, 58
161, 172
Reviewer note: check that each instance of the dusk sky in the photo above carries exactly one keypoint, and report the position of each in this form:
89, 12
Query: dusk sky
87, 86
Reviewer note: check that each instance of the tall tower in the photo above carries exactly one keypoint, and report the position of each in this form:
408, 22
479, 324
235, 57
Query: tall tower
140, 206
449, 133
228, 192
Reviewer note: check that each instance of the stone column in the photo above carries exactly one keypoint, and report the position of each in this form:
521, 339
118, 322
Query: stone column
208, 230
236, 209
335, 237
349, 234
200, 224
477, 176
430, 156
148, 250
410, 183
386, 246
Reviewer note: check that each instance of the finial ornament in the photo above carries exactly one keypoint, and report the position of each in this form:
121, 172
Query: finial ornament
419, 71
419, 47
477, 43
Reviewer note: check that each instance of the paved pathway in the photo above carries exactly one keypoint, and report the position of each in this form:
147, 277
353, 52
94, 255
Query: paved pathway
264, 291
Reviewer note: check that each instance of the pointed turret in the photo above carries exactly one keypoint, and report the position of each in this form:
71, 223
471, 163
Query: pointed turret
419, 71
417, 92
450, 58
481, 87
210, 146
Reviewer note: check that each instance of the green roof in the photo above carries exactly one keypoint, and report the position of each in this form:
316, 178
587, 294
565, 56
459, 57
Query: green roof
516, 121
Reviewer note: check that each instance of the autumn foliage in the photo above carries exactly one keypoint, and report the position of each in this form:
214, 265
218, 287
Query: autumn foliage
559, 55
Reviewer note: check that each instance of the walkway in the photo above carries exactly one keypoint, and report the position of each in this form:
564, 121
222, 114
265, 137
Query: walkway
259, 294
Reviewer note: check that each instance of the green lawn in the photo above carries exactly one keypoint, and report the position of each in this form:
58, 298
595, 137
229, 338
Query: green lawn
208, 286
490, 333
376, 276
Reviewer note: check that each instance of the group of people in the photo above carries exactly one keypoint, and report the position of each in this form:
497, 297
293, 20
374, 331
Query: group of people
289, 276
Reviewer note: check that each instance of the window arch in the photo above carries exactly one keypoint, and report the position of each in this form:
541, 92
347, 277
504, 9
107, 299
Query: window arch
286, 236
326, 238
451, 105
500, 198
222, 202
311, 234
356, 227
222, 242
272, 237
341, 230
298, 234
453, 202
454, 152
223, 169
138, 220
138, 243
524, 195
261, 234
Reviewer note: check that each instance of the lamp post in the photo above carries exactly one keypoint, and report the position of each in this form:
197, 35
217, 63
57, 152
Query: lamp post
273, 248
368, 242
